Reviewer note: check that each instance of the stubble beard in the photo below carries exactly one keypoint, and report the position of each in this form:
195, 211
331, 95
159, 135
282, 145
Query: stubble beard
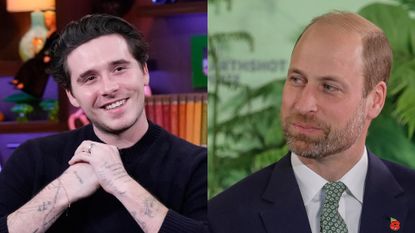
107, 129
332, 140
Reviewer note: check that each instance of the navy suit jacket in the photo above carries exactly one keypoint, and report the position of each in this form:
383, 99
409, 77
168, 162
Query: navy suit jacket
269, 201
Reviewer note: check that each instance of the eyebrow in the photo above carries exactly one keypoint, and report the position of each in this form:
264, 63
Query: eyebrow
295, 70
321, 78
120, 62
87, 73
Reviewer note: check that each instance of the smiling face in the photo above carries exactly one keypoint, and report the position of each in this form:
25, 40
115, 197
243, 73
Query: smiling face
323, 110
107, 83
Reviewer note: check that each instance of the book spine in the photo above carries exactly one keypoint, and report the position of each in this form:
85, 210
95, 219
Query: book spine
158, 111
197, 123
190, 116
203, 140
149, 101
182, 117
174, 115
166, 113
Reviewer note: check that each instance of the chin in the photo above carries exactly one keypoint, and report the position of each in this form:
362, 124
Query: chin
116, 126
115, 129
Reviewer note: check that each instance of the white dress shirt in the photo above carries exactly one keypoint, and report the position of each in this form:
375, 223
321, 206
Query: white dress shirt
350, 205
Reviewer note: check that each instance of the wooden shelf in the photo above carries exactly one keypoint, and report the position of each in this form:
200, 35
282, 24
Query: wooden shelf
170, 9
32, 127
9, 68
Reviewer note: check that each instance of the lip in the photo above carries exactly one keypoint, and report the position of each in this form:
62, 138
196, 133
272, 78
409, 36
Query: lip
305, 128
114, 101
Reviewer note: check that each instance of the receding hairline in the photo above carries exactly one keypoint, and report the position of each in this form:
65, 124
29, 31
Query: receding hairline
376, 54
348, 21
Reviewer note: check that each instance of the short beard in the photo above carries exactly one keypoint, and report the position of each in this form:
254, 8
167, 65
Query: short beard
332, 141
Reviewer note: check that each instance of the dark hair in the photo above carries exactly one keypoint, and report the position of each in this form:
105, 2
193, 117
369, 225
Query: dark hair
87, 28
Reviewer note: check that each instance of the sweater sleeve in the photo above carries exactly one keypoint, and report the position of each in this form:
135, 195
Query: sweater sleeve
3, 225
192, 217
175, 222
16, 182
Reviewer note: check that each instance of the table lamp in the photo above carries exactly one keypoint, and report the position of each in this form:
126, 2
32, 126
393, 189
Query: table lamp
33, 40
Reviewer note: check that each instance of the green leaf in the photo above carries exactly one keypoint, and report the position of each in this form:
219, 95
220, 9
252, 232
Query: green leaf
394, 21
387, 139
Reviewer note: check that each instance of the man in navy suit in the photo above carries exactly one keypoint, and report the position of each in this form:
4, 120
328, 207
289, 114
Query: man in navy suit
336, 85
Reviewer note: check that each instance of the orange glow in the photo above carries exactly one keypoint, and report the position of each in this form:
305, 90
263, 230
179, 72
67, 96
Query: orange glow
30, 5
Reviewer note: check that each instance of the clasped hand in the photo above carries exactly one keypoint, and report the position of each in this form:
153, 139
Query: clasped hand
106, 163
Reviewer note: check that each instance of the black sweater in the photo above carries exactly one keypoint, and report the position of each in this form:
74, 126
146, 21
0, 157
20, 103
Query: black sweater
173, 170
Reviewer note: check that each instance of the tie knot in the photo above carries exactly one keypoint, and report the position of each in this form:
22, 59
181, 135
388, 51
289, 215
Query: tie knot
334, 190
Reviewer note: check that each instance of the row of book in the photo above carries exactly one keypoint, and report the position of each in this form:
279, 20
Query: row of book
184, 115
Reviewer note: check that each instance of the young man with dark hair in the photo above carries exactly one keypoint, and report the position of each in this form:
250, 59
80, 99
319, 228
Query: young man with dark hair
119, 174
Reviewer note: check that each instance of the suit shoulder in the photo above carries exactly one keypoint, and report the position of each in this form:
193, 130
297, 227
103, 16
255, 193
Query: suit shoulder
404, 175
248, 190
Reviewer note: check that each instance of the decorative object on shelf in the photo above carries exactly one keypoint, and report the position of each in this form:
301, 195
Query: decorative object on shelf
34, 39
199, 61
31, 76
77, 117
23, 105
51, 107
147, 90
22, 111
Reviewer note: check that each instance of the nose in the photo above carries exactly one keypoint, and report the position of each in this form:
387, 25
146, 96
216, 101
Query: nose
306, 101
109, 85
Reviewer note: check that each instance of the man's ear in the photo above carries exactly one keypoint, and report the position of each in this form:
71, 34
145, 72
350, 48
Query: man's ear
376, 99
146, 75
72, 99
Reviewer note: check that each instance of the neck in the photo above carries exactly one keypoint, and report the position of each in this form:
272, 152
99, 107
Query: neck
126, 138
333, 167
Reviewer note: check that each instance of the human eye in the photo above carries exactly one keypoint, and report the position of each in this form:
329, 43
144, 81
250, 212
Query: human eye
90, 78
119, 69
296, 80
330, 88
86, 79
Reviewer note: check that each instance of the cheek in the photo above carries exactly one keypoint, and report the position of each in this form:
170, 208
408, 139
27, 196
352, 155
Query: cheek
287, 99
85, 97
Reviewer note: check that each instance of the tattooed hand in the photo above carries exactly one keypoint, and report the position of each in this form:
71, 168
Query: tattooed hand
106, 162
79, 181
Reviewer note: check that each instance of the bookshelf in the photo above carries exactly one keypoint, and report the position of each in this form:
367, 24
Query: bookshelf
184, 115
32, 127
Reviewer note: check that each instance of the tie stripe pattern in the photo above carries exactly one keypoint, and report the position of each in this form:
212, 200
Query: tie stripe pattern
330, 219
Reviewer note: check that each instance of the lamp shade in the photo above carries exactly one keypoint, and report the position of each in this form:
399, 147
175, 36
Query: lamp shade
30, 5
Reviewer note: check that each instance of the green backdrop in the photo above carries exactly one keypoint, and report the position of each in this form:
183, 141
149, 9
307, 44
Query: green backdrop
250, 43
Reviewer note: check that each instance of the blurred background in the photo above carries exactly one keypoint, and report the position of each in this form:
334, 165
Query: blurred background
250, 43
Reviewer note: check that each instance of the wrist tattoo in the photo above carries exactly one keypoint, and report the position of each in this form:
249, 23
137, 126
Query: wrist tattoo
78, 177
139, 221
44, 206
151, 207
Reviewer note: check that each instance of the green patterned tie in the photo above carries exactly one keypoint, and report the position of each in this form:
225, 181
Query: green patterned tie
330, 219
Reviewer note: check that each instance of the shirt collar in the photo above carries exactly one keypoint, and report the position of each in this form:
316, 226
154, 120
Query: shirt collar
310, 183
355, 178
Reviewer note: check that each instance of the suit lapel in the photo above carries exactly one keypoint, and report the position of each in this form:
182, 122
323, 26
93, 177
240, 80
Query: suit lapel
286, 212
382, 199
